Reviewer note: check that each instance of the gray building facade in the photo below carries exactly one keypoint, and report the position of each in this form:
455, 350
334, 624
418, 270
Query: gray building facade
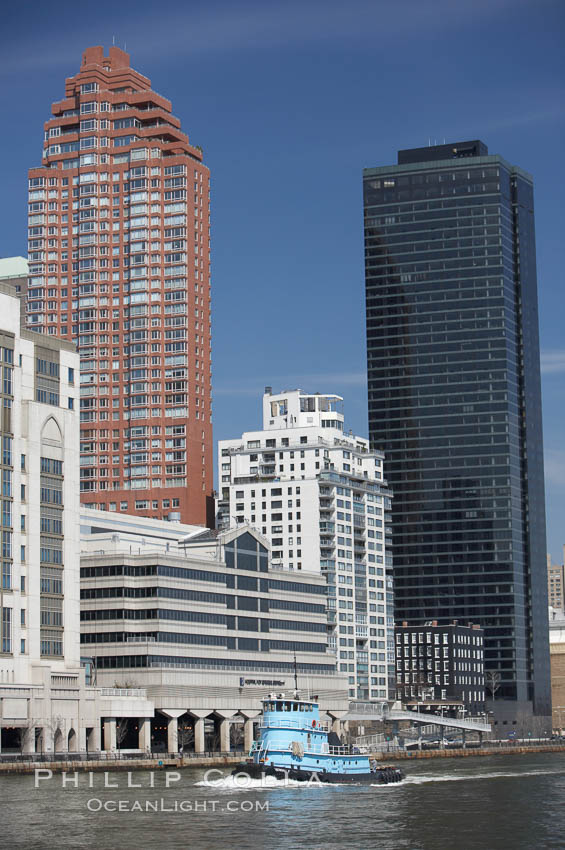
205, 629
455, 400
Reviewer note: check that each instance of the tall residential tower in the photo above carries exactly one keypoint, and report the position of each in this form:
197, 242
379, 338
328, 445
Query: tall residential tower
319, 496
455, 401
119, 263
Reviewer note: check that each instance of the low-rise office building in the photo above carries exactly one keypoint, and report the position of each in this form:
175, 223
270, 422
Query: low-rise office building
206, 630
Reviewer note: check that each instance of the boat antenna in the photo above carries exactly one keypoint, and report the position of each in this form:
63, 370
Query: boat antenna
295, 674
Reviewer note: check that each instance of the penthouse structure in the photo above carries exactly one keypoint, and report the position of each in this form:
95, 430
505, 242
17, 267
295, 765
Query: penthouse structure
119, 227
14, 272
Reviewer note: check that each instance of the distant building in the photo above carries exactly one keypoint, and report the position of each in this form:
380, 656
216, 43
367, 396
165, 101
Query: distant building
557, 656
205, 628
319, 496
556, 584
441, 665
14, 272
455, 401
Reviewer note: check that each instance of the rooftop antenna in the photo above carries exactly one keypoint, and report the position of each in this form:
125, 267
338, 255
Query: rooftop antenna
114, 40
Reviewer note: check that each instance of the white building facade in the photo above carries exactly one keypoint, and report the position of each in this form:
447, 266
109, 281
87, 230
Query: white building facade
41, 683
319, 496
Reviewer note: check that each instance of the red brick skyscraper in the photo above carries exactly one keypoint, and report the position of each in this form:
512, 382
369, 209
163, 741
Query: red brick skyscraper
119, 263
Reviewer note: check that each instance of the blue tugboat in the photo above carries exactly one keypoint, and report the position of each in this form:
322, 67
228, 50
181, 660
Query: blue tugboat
294, 744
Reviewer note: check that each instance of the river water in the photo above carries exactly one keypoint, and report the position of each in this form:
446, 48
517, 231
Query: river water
491, 803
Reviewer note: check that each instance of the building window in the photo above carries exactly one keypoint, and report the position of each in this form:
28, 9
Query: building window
6, 629
6, 575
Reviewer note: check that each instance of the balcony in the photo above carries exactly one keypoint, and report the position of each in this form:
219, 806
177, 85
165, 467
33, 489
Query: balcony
256, 476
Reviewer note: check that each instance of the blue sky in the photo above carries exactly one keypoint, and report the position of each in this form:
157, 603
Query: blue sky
290, 100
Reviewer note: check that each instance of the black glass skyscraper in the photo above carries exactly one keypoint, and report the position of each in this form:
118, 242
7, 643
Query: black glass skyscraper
455, 401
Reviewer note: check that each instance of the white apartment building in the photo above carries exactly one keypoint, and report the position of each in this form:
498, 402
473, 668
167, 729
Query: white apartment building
45, 704
319, 496
40, 677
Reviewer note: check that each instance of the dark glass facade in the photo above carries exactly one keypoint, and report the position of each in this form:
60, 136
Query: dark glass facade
455, 399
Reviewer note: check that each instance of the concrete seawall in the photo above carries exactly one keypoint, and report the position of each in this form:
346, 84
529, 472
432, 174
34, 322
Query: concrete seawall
465, 753
165, 763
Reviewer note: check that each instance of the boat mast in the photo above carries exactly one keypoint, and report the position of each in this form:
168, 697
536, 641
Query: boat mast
295, 675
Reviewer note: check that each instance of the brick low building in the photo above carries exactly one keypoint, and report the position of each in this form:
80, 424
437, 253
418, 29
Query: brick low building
440, 665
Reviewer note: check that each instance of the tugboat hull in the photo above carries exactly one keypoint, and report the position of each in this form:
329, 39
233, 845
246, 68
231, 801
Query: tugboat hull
382, 776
